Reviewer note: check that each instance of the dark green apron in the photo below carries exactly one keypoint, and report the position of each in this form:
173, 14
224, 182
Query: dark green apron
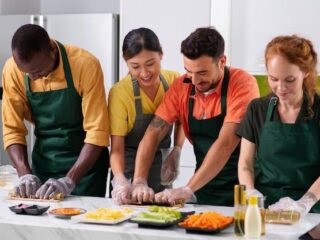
60, 135
134, 137
288, 158
203, 133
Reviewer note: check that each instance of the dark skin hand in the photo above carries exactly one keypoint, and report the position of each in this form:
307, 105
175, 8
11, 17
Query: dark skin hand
19, 157
88, 156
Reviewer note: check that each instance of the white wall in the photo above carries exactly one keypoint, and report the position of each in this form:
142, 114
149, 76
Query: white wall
172, 21
19, 6
221, 20
79, 6
255, 22
58, 6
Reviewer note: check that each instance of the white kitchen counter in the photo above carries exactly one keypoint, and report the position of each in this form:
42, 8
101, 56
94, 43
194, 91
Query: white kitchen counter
46, 227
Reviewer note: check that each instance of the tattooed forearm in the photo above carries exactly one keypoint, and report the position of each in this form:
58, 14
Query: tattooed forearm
157, 122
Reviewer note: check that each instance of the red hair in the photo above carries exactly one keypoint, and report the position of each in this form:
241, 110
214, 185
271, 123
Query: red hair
298, 51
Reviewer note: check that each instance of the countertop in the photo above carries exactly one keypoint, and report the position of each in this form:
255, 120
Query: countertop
47, 227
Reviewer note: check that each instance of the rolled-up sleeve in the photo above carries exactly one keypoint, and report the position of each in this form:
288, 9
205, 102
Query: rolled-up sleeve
14, 106
94, 105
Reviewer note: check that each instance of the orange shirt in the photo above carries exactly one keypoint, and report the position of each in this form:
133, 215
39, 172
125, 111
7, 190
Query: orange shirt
241, 90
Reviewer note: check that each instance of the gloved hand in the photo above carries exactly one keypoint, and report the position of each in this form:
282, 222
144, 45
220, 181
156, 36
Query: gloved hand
253, 192
53, 186
27, 186
170, 167
172, 195
121, 193
141, 192
303, 205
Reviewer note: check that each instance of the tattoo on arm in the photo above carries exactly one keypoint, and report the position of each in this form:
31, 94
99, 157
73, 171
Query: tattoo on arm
157, 122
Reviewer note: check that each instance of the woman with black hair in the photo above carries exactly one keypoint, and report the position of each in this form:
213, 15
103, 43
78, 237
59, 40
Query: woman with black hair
133, 101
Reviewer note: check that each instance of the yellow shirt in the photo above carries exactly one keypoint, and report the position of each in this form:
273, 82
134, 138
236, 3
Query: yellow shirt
122, 112
88, 81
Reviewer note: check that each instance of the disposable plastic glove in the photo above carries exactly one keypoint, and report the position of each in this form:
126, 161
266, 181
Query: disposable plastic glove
170, 167
303, 205
53, 186
172, 195
27, 186
141, 192
121, 192
253, 192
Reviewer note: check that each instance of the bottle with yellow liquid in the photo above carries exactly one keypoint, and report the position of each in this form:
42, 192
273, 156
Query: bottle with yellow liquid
263, 213
239, 209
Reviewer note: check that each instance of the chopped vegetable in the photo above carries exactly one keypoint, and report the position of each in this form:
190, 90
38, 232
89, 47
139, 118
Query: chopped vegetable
108, 214
207, 220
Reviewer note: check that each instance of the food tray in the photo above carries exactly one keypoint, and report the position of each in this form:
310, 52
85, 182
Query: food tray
156, 224
204, 230
83, 219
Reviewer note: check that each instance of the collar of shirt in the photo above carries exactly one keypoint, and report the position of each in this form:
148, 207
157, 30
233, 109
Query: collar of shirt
58, 73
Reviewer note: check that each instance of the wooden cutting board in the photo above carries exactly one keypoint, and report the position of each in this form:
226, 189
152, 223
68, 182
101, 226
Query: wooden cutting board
57, 198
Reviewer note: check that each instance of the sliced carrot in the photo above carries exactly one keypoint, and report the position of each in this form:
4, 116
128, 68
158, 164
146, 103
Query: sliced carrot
207, 220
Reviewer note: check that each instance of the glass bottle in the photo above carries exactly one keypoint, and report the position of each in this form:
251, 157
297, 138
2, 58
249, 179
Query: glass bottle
239, 209
263, 213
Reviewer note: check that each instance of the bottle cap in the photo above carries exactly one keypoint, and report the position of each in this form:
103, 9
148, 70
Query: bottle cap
253, 200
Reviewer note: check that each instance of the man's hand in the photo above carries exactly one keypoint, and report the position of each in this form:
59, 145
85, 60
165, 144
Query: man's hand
172, 195
141, 192
53, 186
27, 186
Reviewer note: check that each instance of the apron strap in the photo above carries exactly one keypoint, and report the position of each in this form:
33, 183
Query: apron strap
164, 83
224, 90
66, 66
271, 107
136, 92
27, 83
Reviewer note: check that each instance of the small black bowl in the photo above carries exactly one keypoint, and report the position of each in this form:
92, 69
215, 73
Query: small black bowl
29, 209
19, 209
36, 210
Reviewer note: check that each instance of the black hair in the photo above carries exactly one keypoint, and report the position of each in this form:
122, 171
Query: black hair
203, 41
137, 40
30, 39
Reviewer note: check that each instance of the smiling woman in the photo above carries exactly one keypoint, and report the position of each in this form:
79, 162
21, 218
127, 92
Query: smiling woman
281, 131
132, 103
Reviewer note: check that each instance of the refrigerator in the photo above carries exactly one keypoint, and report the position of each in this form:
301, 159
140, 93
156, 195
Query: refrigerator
97, 33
